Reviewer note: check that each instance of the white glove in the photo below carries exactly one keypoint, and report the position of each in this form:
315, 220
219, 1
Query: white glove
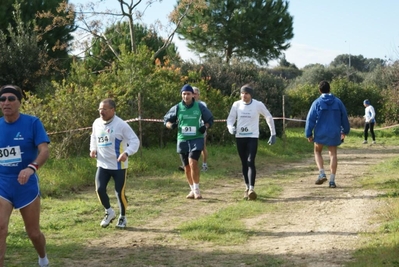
232, 130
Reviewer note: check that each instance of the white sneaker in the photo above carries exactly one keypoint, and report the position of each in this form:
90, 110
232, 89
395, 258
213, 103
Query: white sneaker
197, 194
365, 142
121, 222
108, 218
246, 194
190, 195
374, 143
204, 167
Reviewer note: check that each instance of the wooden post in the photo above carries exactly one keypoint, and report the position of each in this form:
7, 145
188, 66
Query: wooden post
283, 135
140, 128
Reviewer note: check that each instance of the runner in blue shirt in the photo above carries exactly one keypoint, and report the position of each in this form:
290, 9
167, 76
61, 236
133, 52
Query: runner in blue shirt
23, 149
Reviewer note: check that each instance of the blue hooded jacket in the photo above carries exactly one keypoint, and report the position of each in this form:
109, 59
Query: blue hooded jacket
327, 118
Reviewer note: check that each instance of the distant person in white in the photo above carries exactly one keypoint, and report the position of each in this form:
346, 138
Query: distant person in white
245, 114
369, 117
112, 141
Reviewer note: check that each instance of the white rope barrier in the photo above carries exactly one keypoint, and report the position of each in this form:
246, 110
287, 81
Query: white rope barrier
158, 120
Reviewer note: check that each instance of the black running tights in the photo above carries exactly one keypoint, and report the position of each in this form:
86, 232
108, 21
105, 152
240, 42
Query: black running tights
247, 149
103, 176
366, 130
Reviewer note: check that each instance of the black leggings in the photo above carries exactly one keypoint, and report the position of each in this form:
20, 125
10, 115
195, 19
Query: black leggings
247, 149
103, 176
366, 130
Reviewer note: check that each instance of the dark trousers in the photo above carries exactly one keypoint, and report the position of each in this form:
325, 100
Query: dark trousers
368, 126
247, 149
103, 176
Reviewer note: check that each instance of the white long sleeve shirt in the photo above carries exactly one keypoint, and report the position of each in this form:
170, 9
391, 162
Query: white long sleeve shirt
247, 118
369, 114
111, 140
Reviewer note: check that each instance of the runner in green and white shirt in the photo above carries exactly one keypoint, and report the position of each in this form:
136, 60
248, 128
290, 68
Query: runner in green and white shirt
186, 116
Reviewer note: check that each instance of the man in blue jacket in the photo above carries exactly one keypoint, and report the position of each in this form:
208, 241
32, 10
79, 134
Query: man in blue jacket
326, 125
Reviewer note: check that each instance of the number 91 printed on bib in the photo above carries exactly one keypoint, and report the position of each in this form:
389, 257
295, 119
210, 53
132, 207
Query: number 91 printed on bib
188, 130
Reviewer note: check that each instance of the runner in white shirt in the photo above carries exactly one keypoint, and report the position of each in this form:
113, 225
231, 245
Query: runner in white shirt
112, 141
369, 117
245, 114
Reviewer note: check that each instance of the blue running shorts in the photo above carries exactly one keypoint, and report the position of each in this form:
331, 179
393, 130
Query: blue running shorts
19, 195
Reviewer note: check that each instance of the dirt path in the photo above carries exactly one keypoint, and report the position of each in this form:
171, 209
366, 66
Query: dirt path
313, 225
317, 226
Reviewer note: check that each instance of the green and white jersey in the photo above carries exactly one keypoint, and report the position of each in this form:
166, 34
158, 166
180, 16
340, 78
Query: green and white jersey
189, 119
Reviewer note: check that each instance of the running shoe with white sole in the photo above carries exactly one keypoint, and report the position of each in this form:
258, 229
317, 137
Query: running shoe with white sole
197, 194
246, 194
108, 218
332, 184
204, 167
190, 195
122, 222
252, 195
321, 179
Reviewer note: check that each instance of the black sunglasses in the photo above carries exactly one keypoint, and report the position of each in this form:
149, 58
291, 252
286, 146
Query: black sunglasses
10, 98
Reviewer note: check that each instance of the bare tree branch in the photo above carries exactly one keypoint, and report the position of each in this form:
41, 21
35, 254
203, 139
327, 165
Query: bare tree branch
129, 10
169, 40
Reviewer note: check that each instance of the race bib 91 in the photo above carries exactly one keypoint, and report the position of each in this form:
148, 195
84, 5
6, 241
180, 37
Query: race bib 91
188, 130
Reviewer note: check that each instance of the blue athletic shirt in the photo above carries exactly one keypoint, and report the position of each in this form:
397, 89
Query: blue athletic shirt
19, 142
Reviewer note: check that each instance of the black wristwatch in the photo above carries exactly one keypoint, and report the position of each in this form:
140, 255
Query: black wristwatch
127, 154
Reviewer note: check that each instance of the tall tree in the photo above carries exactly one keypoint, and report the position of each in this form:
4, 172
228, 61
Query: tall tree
22, 61
53, 20
254, 29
